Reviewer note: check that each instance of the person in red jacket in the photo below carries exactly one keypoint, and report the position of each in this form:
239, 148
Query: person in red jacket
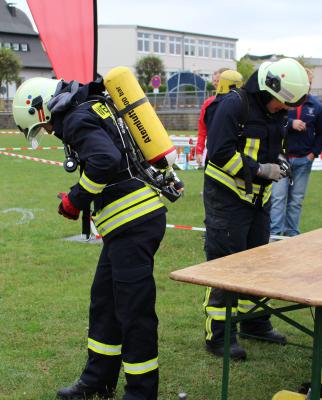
223, 81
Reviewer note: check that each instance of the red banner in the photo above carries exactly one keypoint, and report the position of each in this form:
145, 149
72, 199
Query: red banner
67, 29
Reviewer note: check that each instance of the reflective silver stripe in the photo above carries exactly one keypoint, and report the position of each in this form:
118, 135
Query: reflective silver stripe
287, 95
127, 215
237, 184
241, 184
102, 348
91, 186
219, 313
228, 181
252, 147
246, 305
123, 203
234, 164
141, 368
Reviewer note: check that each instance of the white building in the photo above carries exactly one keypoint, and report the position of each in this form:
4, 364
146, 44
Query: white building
17, 34
179, 51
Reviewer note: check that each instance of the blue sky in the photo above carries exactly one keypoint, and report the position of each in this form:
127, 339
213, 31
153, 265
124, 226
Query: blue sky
289, 27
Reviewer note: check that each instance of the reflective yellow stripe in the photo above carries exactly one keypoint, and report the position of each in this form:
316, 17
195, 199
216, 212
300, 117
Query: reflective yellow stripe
102, 348
129, 215
124, 202
237, 185
267, 193
246, 305
91, 186
208, 328
126, 209
141, 368
234, 164
219, 313
207, 295
252, 147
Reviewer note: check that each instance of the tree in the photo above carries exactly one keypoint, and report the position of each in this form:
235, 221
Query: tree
10, 67
302, 61
245, 67
147, 67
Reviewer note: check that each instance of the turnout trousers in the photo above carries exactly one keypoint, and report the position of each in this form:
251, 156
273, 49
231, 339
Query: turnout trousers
122, 318
231, 226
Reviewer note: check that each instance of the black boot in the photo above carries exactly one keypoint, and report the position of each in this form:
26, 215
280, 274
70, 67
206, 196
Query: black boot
270, 336
236, 353
216, 344
82, 391
305, 387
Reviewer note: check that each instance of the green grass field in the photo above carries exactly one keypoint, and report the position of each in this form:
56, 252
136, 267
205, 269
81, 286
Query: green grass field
45, 283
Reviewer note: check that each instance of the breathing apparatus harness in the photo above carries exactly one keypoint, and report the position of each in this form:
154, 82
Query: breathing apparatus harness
163, 181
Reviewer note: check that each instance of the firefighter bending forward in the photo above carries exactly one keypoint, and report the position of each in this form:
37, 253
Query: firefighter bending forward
131, 218
243, 147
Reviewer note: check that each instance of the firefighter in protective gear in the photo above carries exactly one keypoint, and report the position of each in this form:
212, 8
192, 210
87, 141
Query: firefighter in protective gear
131, 218
245, 134
229, 80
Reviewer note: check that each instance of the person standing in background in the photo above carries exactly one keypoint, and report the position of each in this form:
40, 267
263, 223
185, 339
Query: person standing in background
303, 143
202, 129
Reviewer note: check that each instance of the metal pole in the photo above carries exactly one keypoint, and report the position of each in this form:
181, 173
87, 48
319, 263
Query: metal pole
317, 356
225, 375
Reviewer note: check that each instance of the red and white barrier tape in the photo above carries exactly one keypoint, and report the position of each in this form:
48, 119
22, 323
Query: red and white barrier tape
4, 153
10, 132
186, 228
30, 148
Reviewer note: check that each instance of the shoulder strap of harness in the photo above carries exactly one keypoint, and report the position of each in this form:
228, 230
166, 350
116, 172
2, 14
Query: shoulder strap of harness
242, 94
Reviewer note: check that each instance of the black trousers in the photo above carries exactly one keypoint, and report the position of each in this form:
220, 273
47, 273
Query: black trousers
231, 226
122, 320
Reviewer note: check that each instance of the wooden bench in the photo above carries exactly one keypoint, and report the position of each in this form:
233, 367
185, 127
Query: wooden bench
289, 270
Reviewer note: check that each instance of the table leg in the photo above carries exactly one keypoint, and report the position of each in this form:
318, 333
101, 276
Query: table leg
225, 376
317, 356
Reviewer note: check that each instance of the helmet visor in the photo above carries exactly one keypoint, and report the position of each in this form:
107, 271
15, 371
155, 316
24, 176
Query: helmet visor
35, 135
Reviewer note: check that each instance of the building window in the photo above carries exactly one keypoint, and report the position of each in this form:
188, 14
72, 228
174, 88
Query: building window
175, 45
7, 45
189, 47
232, 55
159, 42
15, 46
24, 47
220, 53
143, 42
217, 50
203, 48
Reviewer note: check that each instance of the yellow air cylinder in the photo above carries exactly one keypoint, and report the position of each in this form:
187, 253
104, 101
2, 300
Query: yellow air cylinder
287, 395
143, 122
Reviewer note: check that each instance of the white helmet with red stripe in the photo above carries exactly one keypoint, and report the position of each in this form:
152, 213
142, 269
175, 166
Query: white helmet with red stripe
30, 109
286, 80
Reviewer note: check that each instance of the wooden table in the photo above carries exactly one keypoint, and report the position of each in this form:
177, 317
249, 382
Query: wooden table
289, 270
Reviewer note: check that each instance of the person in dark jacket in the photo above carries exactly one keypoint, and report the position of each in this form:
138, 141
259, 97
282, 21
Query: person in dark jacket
245, 135
303, 144
128, 214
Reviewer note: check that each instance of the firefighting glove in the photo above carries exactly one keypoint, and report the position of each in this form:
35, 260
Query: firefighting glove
66, 208
272, 172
